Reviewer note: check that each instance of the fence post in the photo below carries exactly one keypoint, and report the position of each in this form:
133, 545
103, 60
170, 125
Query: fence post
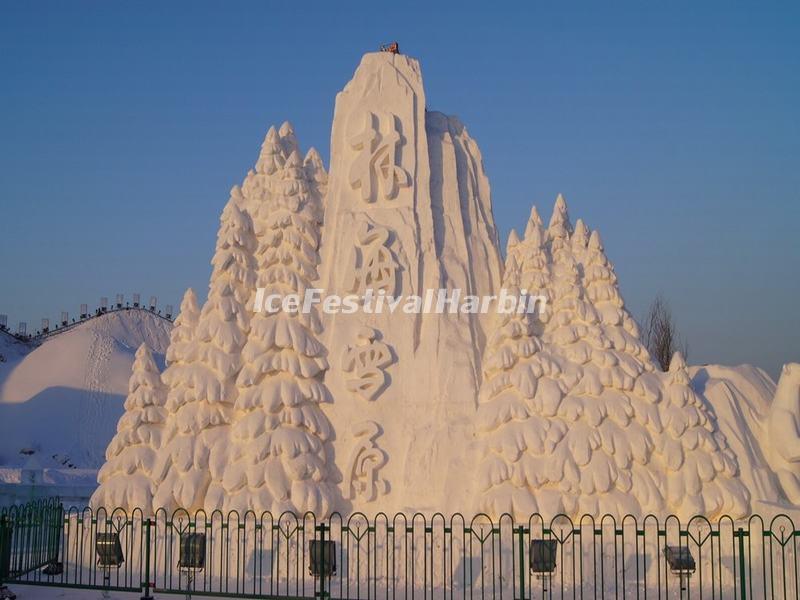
742, 581
55, 531
321, 553
6, 533
521, 545
146, 590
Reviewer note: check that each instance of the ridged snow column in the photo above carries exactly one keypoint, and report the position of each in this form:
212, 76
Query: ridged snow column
407, 210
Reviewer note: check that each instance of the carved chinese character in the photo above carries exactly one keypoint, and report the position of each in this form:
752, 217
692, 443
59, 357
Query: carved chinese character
366, 459
375, 170
375, 267
367, 361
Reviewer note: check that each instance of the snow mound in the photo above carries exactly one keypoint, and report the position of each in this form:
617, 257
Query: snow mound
63, 398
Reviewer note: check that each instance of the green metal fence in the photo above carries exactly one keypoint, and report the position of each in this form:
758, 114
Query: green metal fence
400, 556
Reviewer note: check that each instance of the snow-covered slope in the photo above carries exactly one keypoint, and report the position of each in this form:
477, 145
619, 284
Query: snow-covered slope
64, 397
11, 349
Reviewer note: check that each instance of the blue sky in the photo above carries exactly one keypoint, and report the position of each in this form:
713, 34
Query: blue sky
671, 127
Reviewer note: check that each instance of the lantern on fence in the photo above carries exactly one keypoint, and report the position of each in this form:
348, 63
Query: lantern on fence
120, 300
109, 550
193, 551
3, 322
22, 328
45, 325
84, 311
542, 557
323, 558
64, 318
681, 562
153, 301
679, 559
103, 304
136, 300
168, 311
109, 554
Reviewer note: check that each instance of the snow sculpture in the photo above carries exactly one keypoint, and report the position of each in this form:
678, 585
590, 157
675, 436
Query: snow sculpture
604, 445
691, 453
512, 243
375, 171
203, 391
739, 399
365, 461
367, 360
602, 291
288, 140
271, 158
465, 236
783, 432
559, 227
579, 241
513, 371
700, 470
315, 173
374, 267
559, 442
416, 178
618, 437
126, 479
278, 457
562, 411
181, 338
533, 259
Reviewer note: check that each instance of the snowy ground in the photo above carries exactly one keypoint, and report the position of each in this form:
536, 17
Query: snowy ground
33, 592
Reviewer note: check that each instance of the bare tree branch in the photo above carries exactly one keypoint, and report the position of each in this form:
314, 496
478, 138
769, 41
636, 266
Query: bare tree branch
660, 334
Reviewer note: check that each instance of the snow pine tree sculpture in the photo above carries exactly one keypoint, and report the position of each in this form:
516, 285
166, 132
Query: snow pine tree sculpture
699, 468
603, 442
517, 419
203, 390
602, 291
126, 479
610, 371
180, 358
278, 450
535, 273
597, 451
315, 173
181, 338
271, 158
578, 241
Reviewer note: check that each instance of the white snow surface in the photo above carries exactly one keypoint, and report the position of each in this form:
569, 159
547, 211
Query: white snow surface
63, 398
